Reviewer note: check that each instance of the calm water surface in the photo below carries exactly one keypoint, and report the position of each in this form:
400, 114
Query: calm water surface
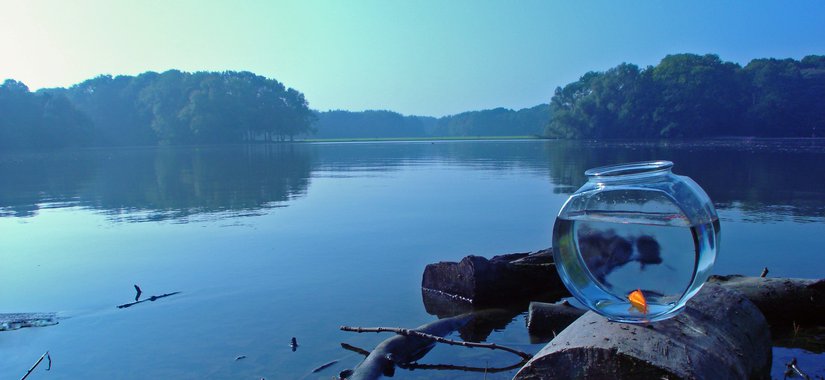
270, 242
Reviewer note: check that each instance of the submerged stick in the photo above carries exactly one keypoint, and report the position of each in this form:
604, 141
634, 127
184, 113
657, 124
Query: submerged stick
45, 354
792, 368
419, 334
152, 299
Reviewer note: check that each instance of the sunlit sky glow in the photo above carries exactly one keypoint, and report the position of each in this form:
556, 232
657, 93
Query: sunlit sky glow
429, 57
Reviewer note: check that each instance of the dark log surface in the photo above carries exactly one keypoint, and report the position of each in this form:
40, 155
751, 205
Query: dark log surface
719, 335
544, 319
784, 302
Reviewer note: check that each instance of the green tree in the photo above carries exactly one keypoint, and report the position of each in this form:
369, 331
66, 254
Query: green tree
700, 96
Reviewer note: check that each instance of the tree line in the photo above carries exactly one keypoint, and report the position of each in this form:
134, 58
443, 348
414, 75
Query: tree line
389, 124
684, 96
172, 107
690, 96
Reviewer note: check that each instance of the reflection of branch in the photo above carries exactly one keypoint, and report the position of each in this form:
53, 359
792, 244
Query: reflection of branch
450, 367
357, 350
324, 366
45, 355
442, 367
152, 299
419, 334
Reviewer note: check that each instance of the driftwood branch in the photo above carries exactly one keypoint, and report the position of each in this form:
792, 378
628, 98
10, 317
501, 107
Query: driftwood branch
45, 355
434, 338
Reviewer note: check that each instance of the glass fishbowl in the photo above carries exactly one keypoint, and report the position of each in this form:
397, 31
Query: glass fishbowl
636, 241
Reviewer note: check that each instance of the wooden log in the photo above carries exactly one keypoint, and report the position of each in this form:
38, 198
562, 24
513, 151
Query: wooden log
719, 335
785, 302
500, 281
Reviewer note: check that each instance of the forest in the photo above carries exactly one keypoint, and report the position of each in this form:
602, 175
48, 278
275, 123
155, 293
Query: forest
694, 96
173, 107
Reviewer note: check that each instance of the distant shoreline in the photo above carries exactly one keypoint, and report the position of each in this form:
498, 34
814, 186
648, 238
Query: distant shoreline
401, 139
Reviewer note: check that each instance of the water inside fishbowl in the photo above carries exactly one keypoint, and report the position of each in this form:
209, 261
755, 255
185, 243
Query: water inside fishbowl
609, 256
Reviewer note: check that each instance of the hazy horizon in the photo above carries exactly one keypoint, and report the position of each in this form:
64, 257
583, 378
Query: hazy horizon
417, 58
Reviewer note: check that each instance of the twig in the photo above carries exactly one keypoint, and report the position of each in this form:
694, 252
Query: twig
45, 354
419, 334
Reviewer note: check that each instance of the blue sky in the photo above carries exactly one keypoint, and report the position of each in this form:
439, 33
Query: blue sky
422, 57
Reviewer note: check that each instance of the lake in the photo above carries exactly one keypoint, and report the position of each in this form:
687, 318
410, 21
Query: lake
270, 242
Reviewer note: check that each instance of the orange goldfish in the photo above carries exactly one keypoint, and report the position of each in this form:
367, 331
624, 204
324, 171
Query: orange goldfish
637, 301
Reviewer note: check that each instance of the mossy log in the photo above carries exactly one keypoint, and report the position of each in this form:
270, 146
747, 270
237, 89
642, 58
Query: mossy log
719, 335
